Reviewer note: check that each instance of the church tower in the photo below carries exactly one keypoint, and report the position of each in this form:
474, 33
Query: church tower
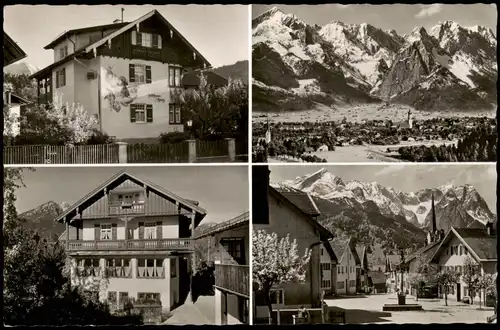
433, 234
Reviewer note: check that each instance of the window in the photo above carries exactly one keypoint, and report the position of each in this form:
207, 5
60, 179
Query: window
321, 251
243, 309
174, 113
139, 74
151, 40
352, 283
150, 230
106, 231
174, 76
61, 77
112, 297
277, 296
118, 267
455, 250
89, 267
340, 285
123, 299
173, 267
234, 247
150, 268
148, 297
141, 113
63, 52
325, 284
338, 270
93, 295
325, 266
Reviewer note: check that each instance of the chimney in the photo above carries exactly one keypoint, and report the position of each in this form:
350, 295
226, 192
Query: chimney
260, 194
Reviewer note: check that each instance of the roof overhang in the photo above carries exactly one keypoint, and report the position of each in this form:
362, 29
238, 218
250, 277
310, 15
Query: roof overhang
134, 24
324, 233
241, 220
11, 51
117, 179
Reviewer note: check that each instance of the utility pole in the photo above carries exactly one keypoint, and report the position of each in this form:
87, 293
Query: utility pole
123, 9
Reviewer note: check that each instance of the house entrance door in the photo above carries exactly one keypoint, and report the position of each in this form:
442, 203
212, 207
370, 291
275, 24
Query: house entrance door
459, 292
184, 279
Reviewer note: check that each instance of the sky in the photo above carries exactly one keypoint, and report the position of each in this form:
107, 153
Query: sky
221, 190
219, 32
406, 178
400, 17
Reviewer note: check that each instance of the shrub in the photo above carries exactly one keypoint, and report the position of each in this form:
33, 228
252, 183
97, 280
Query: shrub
173, 137
99, 137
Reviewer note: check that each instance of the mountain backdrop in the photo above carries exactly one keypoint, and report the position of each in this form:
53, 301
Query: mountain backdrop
238, 70
295, 64
384, 218
42, 218
20, 68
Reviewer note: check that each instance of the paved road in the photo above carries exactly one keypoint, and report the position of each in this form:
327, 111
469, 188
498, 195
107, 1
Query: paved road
368, 309
200, 313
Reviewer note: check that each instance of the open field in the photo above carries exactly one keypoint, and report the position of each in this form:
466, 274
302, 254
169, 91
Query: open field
359, 113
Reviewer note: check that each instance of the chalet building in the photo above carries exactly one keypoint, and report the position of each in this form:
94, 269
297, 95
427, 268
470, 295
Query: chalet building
229, 245
377, 281
11, 51
284, 212
191, 80
391, 270
135, 235
123, 73
461, 243
362, 269
348, 266
17, 107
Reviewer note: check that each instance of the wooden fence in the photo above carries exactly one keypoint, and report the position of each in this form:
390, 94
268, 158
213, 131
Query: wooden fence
48, 154
157, 153
182, 152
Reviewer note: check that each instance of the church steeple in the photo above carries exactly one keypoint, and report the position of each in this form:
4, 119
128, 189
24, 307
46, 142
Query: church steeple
434, 226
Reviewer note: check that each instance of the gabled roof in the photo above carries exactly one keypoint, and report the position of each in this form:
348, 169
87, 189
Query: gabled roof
11, 50
193, 79
126, 27
481, 245
391, 261
117, 179
324, 233
302, 199
361, 252
426, 250
243, 219
65, 34
377, 277
340, 245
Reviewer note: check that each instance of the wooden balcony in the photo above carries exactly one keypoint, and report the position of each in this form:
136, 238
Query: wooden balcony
234, 278
166, 244
146, 53
118, 210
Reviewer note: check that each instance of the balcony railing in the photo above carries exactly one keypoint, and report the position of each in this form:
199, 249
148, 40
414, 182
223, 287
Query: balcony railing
122, 245
146, 53
117, 209
233, 277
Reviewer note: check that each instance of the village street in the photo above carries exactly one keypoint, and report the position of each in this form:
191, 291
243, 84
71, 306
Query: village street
368, 309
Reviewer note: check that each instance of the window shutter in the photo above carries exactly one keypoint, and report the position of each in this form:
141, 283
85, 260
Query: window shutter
134, 37
132, 113
97, 232
148, 74
141, 230
159, 41
149, 113
113, 232
131, 73
57, 79
154, 40
159, 230
63, 77
139, 39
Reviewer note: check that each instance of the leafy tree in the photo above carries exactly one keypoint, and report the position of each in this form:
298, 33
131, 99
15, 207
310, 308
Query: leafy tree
470, 276
215, 111
486, 284
276, 261
446, 278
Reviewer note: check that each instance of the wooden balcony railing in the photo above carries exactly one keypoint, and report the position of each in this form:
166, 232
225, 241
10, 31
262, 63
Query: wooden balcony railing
159, 244
117, 209
233, 277
146, 53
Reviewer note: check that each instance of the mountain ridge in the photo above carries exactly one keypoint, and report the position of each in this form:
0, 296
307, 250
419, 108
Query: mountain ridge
457, 62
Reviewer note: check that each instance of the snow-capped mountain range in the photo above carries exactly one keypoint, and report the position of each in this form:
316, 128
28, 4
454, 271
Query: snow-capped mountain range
362, 63
20, 68
459, 206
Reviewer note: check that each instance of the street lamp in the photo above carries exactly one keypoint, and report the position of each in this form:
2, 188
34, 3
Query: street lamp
190, 124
